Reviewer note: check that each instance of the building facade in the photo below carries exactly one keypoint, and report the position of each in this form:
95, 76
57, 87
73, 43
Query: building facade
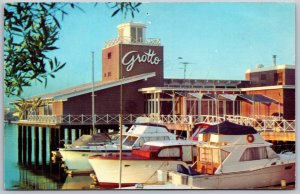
133, 76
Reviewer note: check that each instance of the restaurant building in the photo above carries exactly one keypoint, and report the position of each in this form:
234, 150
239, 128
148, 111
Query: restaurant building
133, 71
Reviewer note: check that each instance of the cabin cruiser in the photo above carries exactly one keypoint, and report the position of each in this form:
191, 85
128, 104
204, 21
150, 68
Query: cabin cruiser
141, 166
76, 156
237, 157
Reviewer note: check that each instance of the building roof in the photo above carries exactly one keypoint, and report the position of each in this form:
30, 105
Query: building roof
205, 83
87, 88
270, 68
244, 97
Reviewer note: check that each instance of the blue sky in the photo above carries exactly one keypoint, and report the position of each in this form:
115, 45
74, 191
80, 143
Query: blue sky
221, 40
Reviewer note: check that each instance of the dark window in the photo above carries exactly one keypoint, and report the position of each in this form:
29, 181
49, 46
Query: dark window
109, 74
109, 55
256, 153
263, 77
104, 74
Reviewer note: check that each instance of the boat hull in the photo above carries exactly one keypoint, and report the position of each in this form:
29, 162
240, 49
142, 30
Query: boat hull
133, 171
77, 161
265, 177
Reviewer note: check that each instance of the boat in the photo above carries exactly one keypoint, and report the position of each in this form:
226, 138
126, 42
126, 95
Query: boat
141, 166
76, 156
237, 157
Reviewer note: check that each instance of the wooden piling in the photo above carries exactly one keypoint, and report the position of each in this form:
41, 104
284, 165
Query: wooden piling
24, 161
29, 141
76, 133
61, 137
36, 146
44, 151
69, 135
20, 138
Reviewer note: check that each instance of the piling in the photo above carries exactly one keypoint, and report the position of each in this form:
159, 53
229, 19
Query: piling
69, 135
76, 133
61, 137
24, 161
36, 146
29, 141
20, 134
44, 146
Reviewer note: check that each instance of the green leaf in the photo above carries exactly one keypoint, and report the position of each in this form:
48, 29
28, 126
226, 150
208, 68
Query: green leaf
115, 12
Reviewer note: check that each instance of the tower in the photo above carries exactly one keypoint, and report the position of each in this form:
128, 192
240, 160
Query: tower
131, 53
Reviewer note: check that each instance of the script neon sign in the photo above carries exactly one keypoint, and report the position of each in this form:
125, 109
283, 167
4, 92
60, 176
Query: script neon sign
131, 57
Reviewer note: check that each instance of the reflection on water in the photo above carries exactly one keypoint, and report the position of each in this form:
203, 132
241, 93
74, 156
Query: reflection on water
35, 173
77, 182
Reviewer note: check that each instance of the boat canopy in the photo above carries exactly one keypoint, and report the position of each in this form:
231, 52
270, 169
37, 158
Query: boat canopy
228, 128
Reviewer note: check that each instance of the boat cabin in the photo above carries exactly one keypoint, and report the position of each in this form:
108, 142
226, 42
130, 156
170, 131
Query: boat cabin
141, 133
230, 147
168, 150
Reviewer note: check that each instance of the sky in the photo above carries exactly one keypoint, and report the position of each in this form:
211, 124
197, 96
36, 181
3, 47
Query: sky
220, 40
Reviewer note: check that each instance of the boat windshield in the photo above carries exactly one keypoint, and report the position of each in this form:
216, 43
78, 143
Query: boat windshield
130, 140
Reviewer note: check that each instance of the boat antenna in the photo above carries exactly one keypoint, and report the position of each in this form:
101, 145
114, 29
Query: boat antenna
93, 96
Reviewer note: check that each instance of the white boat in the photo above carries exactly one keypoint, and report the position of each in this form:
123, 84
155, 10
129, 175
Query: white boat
141, 166
237, 157
76, 157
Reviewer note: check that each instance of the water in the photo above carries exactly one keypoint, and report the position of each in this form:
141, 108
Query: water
35, 175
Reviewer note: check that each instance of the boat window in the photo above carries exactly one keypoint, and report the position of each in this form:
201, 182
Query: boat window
130, 140
169, 152
256, 153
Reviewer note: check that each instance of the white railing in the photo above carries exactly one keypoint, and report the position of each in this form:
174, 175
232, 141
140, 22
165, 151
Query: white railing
82, 119
129, 40
266, 124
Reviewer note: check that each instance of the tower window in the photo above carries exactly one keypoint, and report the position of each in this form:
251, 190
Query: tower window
136, 34
109, 55
109, 74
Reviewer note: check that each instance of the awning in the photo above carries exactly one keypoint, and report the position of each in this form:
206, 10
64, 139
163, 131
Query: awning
197, 95
204, 96
231, 97
257, 98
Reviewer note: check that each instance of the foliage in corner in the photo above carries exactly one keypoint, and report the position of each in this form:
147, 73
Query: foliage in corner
30, 33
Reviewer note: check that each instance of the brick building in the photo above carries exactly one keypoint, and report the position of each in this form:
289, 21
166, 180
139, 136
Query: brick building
134, 64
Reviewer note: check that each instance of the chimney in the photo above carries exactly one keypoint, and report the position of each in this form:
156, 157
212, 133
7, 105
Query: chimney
274, 60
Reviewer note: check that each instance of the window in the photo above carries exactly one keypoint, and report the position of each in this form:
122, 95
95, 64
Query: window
169, 152
140, 34
137, 34
109, 55
129, 141
104, 74
108, 74
263, 76
133, 34
254, 154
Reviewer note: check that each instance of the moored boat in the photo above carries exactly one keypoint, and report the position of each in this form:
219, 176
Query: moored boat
76, 157
141, 166
237, 157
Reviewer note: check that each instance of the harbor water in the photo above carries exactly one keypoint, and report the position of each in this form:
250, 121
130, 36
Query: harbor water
35, 174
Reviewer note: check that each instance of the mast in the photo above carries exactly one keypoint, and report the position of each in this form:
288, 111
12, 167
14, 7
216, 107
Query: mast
93, 97
120, 121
